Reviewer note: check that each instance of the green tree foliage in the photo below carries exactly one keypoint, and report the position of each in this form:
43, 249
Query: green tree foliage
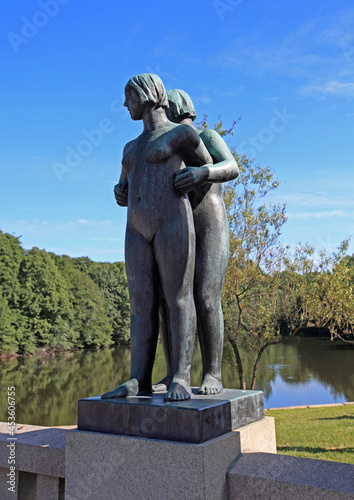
349, 260
89, 317
90, 320
11, 255
44, 297
325, 290
250, 295
55, 301
112, 281
8, 341
83, 264
13, 324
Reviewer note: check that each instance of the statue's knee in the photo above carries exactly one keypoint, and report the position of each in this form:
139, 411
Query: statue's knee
207, 304
180, 303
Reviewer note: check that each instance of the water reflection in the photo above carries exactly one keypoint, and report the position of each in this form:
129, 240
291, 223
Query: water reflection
307, 371
300, 371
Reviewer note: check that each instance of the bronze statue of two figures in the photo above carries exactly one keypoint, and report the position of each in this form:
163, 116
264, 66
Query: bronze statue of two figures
176, 242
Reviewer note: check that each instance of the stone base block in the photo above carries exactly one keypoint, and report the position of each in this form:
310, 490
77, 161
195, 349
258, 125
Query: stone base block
29, 438
29, 486
47, 488
134, 468
194, 421
270, 477
6, 494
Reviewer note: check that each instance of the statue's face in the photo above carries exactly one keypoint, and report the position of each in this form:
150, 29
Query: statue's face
132, 102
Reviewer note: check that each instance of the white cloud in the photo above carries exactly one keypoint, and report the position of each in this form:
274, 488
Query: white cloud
202, 99
75, 224
324, 214
321, 200
329, 88
318, 52
270, 98
98, 254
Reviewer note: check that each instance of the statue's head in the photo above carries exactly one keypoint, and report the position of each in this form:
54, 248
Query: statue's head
149, 88
180, 106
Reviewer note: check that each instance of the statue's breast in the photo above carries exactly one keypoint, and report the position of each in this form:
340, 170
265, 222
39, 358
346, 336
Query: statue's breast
158, 151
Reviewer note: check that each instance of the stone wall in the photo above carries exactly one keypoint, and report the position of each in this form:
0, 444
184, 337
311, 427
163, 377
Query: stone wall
240, 464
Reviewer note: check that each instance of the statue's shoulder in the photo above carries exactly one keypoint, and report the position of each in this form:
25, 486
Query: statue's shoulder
175, 134
185, 133
209, 134
130, 145
213, 140
216, 146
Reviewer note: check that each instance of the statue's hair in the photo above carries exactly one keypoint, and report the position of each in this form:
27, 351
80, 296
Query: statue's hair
180, 105
150, 89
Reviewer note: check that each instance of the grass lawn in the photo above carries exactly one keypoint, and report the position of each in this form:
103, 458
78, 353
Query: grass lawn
325, 433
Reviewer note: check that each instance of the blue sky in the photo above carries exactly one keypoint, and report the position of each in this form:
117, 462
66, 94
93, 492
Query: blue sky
286, 67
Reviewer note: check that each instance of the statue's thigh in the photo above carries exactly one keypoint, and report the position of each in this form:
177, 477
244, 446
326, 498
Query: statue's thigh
210, 268
142, 272
212, 255
174, 247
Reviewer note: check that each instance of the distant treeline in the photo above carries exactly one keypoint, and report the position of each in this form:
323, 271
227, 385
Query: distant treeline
59, 302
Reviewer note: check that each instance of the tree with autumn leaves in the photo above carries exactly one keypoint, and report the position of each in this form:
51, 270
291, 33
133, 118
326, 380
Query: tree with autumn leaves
272, 291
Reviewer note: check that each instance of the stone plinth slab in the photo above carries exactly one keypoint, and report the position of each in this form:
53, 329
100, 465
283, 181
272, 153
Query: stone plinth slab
4, 486
193, 421
134, 468
51, 440
265, 476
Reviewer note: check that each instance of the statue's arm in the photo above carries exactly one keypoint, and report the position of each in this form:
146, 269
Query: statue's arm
193, 152
121, 189
224, 166
223, 169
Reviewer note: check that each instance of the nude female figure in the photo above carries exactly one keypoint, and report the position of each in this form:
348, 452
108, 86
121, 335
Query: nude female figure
212, 244
160, 237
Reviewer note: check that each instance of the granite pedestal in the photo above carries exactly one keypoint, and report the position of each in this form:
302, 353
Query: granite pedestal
260, 476
144, 447
193, 421
109, 466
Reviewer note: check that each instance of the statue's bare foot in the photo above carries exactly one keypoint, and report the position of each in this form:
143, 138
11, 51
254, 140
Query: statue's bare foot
130, 388
210, 385
179, 390
163, 385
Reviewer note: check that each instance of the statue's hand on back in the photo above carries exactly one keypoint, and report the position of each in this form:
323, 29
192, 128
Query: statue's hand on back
189, 178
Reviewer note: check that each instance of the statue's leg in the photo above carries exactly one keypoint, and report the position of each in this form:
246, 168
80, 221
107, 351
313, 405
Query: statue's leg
211, 265
164, 384
175, 254
143, 283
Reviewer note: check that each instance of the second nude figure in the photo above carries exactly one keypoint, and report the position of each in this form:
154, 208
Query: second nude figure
203, 185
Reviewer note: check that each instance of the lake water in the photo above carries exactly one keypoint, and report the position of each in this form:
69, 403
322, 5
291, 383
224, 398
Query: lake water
299, 371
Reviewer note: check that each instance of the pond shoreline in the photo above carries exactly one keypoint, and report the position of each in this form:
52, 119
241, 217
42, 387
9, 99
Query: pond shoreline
310, 406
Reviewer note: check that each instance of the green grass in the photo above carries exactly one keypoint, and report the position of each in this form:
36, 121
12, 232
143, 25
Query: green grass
325, 433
